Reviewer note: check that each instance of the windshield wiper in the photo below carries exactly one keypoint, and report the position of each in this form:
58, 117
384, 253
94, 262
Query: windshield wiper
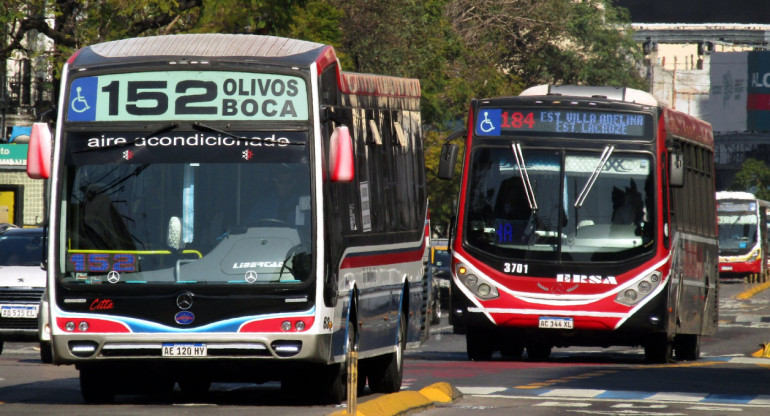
528, 191
163, 129
205, 127
598, 170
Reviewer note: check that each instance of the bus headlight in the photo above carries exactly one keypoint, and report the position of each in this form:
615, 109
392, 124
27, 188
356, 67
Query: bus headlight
635, 293
480, 287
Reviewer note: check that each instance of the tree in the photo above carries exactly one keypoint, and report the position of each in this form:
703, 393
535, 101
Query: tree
555, 41
71, 24
753, 177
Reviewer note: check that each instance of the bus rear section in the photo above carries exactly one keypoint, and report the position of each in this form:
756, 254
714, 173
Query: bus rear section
574, 225
743, 235
211, 218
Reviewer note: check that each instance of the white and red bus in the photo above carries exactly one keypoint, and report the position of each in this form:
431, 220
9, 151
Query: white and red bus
586, 216
232, 207
743, 234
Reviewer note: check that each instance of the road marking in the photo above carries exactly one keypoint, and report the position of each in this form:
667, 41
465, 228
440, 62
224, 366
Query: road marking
584, 393
716, 409
564, 404
481, 390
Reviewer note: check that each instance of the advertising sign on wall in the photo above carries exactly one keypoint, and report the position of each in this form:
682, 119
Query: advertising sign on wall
727, 104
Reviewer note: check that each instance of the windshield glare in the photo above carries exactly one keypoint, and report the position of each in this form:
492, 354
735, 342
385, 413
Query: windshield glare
188, 223
613, 222
21, 250
737, 232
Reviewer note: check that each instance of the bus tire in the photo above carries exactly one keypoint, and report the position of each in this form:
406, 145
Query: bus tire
659, 349
478, 343
687, 347
334, 383
94, 388
388, 372
46, 353
194, 387
538, 352
512, 351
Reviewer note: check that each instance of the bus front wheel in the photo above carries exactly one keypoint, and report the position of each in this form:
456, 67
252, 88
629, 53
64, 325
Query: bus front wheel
687, 347
478, 343
94, 388
659, 349
387, 374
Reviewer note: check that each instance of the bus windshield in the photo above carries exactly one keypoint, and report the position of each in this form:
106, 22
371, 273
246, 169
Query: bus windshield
737, 232
180, 208
582, 206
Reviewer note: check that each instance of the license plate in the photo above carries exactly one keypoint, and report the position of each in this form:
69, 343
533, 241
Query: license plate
184, 350
14, 311
550, 322
727, 268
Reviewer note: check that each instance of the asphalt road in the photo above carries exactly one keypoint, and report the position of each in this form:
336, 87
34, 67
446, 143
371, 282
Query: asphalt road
591, 381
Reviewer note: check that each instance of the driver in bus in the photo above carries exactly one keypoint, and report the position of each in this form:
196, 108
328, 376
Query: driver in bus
279, 202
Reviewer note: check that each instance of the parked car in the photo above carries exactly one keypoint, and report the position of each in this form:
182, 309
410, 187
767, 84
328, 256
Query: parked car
22, 282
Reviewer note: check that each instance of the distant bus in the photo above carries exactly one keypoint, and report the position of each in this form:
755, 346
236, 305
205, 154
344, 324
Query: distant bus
743, 234
586, 216
232, 207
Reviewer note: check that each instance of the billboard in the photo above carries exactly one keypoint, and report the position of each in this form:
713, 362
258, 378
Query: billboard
758, 100
729, 79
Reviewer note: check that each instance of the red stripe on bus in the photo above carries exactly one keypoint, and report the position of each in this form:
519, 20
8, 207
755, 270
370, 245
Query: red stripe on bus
358, 261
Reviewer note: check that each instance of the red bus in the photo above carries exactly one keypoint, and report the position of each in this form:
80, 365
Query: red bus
586, 217
743, 242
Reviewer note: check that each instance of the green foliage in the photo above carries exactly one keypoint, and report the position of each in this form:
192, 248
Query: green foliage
459, 49
442, 193
753, 177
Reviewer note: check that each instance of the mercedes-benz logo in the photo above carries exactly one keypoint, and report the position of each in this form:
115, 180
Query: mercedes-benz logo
251, 276
184, 301
113, 277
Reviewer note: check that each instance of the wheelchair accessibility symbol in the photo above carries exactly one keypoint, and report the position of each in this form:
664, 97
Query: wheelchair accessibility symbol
79, 104
486, 126
82, 99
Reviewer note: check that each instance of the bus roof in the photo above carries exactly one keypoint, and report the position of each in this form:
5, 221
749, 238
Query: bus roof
735, 195
626, 95
688, 127
208, 45
268, 49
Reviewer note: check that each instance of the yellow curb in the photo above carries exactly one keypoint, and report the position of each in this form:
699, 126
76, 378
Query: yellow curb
440, 392
764, 352
753, 291
404, 401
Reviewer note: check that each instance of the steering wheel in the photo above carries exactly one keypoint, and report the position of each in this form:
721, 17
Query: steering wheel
272, 221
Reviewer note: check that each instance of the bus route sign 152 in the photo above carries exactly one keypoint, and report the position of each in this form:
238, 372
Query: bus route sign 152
188, 95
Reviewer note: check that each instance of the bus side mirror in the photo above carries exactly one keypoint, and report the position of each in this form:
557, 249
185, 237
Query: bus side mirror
341, 167
446, 165
676, 170
39, 152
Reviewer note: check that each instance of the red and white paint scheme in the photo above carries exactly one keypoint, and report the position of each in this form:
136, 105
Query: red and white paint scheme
586, 216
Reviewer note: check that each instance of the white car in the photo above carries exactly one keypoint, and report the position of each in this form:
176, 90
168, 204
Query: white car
22, 282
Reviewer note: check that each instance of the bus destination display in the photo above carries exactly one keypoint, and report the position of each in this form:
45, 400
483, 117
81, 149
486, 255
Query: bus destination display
188, 95
497, 121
